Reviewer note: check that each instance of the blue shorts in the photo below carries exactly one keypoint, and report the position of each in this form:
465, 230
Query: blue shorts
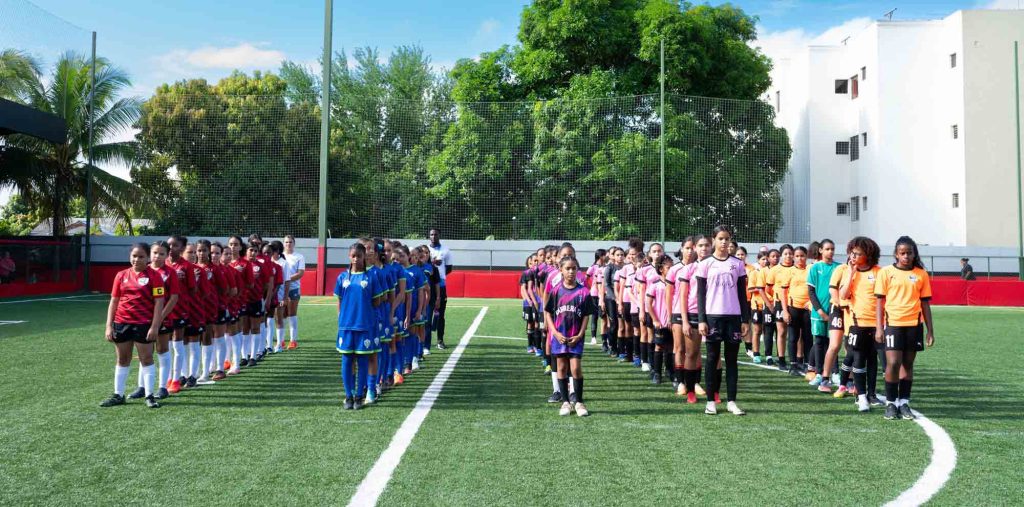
357, 342
389, 333
293, 293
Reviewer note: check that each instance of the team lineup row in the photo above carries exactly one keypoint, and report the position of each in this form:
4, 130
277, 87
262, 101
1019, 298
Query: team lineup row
657, 314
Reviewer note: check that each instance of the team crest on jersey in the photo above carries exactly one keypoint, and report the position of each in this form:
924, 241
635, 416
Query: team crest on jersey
144, 280
366, 343
256, 268
913, 278
346, 283
871, 278
209, 275
163, 276
363, 283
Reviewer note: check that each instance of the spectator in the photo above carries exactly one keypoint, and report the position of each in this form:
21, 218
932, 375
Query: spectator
7, 268
966, 271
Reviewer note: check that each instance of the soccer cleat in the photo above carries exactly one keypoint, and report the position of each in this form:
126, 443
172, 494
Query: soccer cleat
691, 397
835, 378
794, 370
190, 382
539, 352
656, 379
874, 401
233, 371
175, 387
862, 404
349, 404
407, 370
547, 369
204, 378
718, 399
811, 375
825, 387
441, 346
151, 402
556, 397
637, 363
710, 408
415, 363
816, 381
757, 360
840, 393
358, 403
645, 367
581, 410
891, 412
906, 413
426, 351
259, 357
399, 379
750, 354
243, 362
219, 375
622, 358
782, 365
699, 390
681, 389
293, 345
593, 340
114, 400
277, 349
565, 410
530, 350
371, 397
162, 393
734, 409
227, 365
138, 393
770, 361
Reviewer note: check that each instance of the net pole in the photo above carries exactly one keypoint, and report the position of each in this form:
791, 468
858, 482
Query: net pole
88, 168
662, 144
1020, 212
325, 117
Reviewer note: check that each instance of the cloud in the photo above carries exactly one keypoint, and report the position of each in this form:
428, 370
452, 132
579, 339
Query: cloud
241, 56
785, 43
1001, 4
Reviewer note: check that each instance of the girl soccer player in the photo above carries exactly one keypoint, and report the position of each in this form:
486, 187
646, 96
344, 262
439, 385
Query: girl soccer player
777, 276
608, 303
528, 304
187, 286
645, 276
195, 333
818, 278
355, 291
567, 309
741, 254
904, 293
297, 267
659, 310
759, 302
593, 277
221, 338
685, 255
855, 285
724, 315
133, 320
280, 296
794, 310
623, 289
169, 318
212, 337
686, 284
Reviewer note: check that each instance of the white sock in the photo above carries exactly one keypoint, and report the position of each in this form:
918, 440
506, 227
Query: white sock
280, 334
120, 378
252, 344
862, 398
220, 352
178, 366
195, 360
293, 327
164, 362
263, 335
236, 349
207, 360
141, 380
271, 326
572, 385
148, 377
554, 382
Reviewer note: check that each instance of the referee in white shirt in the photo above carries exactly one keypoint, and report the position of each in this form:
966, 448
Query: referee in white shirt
441, 258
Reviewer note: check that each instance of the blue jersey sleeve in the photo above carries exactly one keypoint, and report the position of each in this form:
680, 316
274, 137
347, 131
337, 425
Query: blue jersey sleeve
337, 284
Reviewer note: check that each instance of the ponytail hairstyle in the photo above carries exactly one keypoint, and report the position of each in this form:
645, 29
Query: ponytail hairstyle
663, 264
599, 254
814, 250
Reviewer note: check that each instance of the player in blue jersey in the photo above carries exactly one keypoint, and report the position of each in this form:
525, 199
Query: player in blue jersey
567, 309
355, 290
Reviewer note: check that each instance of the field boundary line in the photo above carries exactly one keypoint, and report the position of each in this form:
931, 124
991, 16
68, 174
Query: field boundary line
377, 478
55, 299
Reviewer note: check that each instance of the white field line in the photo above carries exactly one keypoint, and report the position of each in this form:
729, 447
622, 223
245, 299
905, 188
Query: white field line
377, 478
56, 299
8, 322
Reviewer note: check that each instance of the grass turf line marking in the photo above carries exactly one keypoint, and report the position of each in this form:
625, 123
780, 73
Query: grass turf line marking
939, 468
51, 299
7, 322
377, 478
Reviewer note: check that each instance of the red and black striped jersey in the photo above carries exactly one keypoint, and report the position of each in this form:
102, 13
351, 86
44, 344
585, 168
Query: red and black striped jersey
260, 274
171, 287
136, 295
186, 284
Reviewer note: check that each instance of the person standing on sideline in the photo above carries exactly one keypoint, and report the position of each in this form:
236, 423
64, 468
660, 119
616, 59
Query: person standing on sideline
966, 271
441, 259
295, 268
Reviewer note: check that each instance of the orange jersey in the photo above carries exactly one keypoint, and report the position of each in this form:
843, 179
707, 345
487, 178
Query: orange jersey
903, 290
778, 277
838, 275
755, 281
862, 302
796, 285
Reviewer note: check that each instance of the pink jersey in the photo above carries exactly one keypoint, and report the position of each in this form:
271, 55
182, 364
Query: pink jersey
722, 280
625, 277
660, 306
673, 279
593, 274
686, 274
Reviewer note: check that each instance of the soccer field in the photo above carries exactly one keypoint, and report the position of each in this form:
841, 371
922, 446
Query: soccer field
276, 434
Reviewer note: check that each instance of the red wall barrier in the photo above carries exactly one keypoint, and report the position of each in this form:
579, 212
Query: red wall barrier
10, 290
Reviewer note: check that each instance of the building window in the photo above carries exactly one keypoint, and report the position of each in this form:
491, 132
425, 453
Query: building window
863, 73
778, 101
842, 148
864, 202
842, 208
956, 132
864, 138
956, 200
854, 89
854, 209
854, 148
842, 86
952, 61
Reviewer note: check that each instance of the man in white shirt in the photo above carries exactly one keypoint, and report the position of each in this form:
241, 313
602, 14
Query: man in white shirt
295, 266
441, 258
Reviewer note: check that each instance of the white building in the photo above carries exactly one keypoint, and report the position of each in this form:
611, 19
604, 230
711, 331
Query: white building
905, 128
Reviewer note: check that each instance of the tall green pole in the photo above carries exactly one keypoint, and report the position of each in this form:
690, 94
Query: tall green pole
325, 135
88, 169
664, 126
1020, 213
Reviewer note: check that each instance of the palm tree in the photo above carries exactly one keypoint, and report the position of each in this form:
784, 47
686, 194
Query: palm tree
48, 176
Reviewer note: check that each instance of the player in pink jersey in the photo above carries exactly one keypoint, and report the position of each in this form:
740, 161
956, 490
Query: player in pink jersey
593, 277
724, 315
632, 304
659, 310
686, 250
687, 285
647, 275
608, 303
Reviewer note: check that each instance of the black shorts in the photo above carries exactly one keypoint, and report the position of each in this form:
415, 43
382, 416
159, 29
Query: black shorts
778, 311
170, 325
648, 322
626, 307
124, 333
222, 317
768, 316
195, 329
597, 305
836, 319
634, 320
254, 309
861, 339
724, 328
755, 317
663, 336
529, 315
904, 338
569, 356
677, 319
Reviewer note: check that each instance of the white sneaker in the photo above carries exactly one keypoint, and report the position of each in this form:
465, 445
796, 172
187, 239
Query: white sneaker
203, 379
277, 349
566, 409
426, 351
415, 363
581, 410
593, 340
835, 379
234, 370
645, 367
699, 390
862, 403
710, 408
681, 390
750, 354
734, 409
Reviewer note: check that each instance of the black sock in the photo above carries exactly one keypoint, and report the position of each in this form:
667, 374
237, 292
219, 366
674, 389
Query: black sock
732, 373
636, 346
678, 374
892, 390
904, 389
550, 360
690, 379
748, 346
579, 388
712, 375
658, 359
563, 388
627, 347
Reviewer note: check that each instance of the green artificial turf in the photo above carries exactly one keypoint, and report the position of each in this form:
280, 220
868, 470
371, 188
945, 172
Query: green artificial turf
277, 434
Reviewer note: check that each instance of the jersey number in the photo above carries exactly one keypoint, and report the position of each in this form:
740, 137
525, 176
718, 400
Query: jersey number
890, 340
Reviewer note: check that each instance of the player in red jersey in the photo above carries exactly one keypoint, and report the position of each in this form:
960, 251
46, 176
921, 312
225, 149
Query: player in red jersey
258, 301
214, 316
187, 282
240, 273
225, 285
133, 320
199, 317
275, 312
158, 252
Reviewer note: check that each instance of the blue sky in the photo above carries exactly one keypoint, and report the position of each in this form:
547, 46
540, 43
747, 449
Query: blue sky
159, 42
